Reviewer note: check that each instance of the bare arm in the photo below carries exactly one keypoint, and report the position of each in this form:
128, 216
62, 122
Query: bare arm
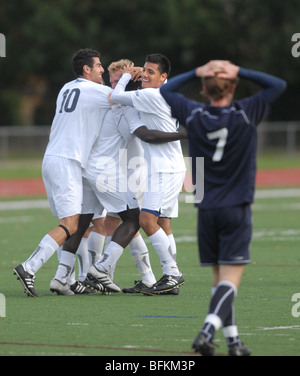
153, 136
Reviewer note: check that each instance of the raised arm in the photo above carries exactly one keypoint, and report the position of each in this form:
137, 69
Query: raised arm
119, 95
273, 86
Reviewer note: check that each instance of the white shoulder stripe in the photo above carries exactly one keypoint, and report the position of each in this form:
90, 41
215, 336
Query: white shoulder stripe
208, 114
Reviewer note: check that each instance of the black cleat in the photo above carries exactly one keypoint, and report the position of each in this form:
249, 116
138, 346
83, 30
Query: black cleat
202, 346
79, 288
95, 286
166, 284
136, 289
239, 350
26, 279
175, 291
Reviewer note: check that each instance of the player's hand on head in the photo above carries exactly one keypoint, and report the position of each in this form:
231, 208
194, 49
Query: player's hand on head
136, 73
230, 71
210, 69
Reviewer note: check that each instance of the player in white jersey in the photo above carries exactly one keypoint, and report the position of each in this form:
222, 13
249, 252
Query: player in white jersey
80, 109
107, 172
166, 167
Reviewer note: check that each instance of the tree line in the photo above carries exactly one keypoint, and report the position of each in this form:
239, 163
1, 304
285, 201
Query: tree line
42, 36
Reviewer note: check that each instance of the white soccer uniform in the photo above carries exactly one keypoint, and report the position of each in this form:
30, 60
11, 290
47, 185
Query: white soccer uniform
107, 169
165, 162
80, 110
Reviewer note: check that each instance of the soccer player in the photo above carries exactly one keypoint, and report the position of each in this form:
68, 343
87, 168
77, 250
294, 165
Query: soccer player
80, 109
166, 167
108, 179
224, 132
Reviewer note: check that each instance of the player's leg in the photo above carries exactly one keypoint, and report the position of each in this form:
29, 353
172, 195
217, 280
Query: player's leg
138, 251
233, 245
59, 283
140, 254
63, 183
83, 256
120, 239
91, 246
96, 239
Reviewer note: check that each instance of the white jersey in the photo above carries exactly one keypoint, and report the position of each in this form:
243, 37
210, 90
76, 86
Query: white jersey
155, 113
80, 110
108, 161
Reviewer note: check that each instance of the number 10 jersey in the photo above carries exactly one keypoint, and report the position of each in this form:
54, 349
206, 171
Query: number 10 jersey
80, 109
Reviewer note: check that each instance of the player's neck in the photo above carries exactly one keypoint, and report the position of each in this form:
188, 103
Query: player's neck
223, 102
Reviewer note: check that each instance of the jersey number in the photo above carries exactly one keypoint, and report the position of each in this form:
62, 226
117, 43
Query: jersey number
221, 136
70, 99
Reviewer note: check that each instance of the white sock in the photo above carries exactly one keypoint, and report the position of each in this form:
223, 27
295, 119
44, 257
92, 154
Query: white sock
83, 259
65, 266
162, 246
110, 257
95, 246
140, 255
41, 255
173, 246
59, 252
72, 277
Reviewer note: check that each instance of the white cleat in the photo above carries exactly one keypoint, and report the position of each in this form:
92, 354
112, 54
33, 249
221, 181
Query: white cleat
60, 288
104, 279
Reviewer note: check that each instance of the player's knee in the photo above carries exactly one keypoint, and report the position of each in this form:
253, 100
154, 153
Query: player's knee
70, 227
111, 224
146, 221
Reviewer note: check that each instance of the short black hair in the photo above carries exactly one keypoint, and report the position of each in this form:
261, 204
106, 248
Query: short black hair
164, 65
133, 85
83, 57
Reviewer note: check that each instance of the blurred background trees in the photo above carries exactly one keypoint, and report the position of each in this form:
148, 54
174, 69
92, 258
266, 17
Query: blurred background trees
42, 36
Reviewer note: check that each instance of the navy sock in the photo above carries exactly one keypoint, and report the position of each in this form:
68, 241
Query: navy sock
220, 307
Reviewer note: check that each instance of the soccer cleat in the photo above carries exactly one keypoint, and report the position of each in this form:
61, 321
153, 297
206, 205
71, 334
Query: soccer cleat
104, 279
166, 284
60, 288
93, 284
174, 291
79, 288
239, 350
202, 346
26, 279
137, 288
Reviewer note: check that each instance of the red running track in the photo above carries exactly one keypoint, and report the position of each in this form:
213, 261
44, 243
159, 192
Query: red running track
264, 179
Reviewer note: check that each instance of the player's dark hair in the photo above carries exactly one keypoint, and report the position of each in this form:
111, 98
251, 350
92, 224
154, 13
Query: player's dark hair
83, 57
133, 85
164, 65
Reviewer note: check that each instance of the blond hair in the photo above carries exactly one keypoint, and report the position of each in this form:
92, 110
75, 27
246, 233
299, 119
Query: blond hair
120, 64
216, 87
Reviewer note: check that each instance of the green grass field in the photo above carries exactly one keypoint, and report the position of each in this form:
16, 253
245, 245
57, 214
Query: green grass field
137, 325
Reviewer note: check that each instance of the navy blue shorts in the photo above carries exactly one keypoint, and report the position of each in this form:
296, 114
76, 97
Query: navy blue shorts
224, 235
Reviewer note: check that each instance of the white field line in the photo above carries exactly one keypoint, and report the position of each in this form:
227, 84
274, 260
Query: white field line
24, 205
43, 204
259, 193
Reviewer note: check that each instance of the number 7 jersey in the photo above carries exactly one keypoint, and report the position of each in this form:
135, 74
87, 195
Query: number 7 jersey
227, 139
80, 109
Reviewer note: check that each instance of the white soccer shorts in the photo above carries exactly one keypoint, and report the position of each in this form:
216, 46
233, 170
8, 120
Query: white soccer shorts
162, 193
63, 182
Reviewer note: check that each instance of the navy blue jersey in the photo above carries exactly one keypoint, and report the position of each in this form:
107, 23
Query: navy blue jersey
226, 137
